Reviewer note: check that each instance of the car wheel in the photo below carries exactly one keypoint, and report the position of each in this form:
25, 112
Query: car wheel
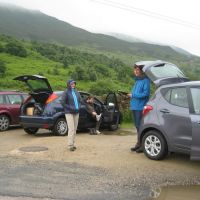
114, 126
31, 131
60, 127
4, 122
154, 145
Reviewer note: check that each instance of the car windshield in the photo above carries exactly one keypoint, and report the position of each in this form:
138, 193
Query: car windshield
165, 71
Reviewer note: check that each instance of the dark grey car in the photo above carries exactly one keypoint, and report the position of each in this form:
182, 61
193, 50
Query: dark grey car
171, 118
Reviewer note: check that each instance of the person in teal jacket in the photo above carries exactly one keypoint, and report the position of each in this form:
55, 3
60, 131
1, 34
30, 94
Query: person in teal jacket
138, 98
71, 101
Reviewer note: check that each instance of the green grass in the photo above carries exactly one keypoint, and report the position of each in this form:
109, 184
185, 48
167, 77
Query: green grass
128, 125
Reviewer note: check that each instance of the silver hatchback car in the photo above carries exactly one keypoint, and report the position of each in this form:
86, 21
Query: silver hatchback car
171, 118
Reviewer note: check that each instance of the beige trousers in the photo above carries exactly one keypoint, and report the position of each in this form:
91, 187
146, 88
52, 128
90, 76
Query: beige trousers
72, 122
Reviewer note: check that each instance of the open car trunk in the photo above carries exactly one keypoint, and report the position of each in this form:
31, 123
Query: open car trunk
162, 72
40, 90
39, 86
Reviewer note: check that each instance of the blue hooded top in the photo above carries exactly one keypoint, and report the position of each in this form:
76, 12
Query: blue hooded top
140, 93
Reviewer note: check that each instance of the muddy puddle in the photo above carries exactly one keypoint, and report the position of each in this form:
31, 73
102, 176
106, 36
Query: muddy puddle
175, 193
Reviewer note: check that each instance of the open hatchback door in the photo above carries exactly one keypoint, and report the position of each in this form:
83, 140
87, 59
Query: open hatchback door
162, 72
38, 85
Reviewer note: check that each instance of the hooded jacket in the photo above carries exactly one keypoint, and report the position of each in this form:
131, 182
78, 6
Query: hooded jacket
140, 93
67, 100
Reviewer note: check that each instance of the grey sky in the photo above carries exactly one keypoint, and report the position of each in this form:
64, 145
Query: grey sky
144, 19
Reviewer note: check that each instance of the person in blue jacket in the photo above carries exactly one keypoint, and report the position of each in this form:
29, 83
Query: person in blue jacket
138, 98
71, 101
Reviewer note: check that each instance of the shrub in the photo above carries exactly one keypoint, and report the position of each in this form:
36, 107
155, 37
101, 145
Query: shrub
1, 48
55, 71
102, 87
2, 68
127, 115
15, 48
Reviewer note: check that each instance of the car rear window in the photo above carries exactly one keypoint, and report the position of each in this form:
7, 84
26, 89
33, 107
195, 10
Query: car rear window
166, 70
38, 85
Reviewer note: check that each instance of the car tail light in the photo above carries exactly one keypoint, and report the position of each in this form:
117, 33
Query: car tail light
146, 110
51, 98
45, 126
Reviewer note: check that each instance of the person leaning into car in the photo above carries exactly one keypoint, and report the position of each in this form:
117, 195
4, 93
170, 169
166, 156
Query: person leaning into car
71, 100
138, 98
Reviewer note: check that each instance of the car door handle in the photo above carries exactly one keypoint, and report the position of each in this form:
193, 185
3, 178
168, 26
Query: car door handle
164, 110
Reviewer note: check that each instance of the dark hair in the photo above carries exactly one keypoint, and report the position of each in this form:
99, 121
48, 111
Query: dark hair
138, 66
89, 97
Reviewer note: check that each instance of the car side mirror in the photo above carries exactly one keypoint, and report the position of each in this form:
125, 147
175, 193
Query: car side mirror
111, 105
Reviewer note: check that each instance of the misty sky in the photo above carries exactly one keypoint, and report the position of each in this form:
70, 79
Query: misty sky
171, 22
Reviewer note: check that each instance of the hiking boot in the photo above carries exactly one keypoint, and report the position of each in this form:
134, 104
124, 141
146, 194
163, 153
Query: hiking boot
139, 150
135, 148
71, 149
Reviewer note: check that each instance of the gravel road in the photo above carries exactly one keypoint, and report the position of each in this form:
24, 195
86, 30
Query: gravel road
102, 167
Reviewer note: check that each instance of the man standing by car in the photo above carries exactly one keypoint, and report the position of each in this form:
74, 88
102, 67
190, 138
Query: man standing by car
138, 98
95, 116
71, 100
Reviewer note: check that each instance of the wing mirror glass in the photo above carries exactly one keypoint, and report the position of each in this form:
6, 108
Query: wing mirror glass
111, 105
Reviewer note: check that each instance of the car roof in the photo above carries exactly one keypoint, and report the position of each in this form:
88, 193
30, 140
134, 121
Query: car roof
11, 92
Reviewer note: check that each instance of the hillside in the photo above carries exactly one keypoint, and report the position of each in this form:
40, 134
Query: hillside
34, 25
77, 48
96, 73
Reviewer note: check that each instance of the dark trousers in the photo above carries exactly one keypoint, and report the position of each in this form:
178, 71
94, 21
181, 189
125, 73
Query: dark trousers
137, 116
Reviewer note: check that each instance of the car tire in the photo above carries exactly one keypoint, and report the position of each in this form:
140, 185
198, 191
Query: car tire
31, 131
4, 122
60, 127
154, 145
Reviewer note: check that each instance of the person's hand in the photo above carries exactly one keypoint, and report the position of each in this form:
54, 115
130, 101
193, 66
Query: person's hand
129, 95
94, 113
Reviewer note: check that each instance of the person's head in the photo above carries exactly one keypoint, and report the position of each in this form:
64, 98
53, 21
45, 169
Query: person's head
137, 70
71, 84
90, 99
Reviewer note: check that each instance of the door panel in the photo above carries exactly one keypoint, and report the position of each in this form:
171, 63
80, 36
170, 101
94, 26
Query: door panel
13, 106
111, 98
84, 116
195, 118
112, 110
174, 117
